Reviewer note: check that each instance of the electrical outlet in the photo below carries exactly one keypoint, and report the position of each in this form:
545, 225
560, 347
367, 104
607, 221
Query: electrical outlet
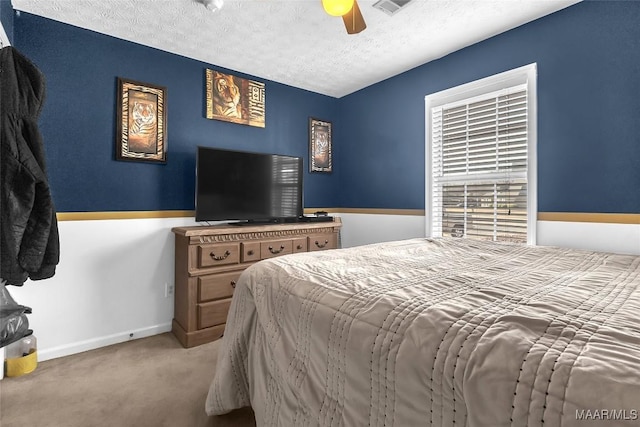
168, 290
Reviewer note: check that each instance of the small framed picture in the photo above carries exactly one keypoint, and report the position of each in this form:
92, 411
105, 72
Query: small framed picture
141, 122
320, 145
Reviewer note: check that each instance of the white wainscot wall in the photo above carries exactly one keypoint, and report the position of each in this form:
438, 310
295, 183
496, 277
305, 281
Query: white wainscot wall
362, 229
359, 229
110, 282
109, 286
619, 238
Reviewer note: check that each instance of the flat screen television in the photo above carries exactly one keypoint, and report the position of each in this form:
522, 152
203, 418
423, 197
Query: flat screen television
246, 186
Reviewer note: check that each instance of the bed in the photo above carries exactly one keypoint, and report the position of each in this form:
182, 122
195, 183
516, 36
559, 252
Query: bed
434, 332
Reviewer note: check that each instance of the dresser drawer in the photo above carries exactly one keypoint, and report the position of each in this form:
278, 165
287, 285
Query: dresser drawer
300, 245
218, 254
213, 313
217, 286
272, 248
322, 241
250, 251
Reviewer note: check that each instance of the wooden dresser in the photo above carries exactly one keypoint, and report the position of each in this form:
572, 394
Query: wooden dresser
209, 260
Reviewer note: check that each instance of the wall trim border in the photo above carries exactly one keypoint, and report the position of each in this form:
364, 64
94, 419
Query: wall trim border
606, 218
93, 216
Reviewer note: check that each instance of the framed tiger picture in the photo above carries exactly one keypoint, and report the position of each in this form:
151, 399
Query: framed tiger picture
234, 99
141, 122
320, 145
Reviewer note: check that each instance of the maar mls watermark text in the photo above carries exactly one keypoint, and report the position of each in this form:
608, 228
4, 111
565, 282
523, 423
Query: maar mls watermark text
607, 414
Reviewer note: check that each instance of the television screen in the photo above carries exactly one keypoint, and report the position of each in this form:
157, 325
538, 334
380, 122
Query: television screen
240, 185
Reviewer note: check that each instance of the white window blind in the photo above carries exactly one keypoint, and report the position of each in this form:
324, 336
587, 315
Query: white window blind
284, 195
479, 164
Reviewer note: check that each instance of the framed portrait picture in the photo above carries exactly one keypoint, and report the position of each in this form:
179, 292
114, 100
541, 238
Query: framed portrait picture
233, 99
141, 122
320, 145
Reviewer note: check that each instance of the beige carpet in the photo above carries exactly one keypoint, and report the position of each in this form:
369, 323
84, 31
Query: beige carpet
146, 382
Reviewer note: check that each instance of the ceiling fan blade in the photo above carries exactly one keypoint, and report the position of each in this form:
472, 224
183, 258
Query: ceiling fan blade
353, 20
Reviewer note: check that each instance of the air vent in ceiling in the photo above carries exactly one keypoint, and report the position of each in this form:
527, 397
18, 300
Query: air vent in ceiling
391, 7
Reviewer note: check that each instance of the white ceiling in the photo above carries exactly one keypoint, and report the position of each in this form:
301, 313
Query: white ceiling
294, 41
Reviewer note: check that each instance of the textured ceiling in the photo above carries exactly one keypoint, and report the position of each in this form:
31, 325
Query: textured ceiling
294, 41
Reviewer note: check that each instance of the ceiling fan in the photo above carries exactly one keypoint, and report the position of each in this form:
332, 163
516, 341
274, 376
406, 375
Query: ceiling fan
347, 9
350, 12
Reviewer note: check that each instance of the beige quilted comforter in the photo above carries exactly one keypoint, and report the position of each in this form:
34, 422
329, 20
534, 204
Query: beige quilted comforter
440, 332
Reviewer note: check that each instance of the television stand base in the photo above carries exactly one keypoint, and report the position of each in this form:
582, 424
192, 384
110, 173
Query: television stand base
320, 218
264, 221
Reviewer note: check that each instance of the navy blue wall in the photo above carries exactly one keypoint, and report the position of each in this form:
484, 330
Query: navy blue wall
79, 118
588, 58
588, 117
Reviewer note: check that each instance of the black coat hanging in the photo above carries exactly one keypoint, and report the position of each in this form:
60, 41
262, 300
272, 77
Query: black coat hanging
29, 244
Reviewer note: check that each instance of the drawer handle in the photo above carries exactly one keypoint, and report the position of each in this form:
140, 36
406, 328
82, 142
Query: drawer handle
233, 284
276, 251
220, 257
299, 247
250, 252
322, 245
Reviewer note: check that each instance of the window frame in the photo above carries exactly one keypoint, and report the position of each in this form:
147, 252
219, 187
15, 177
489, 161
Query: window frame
523, 75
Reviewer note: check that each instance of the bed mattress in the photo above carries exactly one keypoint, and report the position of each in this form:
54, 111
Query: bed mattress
438, 332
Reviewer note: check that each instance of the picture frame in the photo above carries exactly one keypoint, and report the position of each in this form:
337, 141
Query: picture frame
320, 145
234, 99
141, 122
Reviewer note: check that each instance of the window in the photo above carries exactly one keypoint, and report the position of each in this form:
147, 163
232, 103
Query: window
481, 159
285, 191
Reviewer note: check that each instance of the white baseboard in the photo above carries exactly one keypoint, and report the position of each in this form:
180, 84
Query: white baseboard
94, 343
